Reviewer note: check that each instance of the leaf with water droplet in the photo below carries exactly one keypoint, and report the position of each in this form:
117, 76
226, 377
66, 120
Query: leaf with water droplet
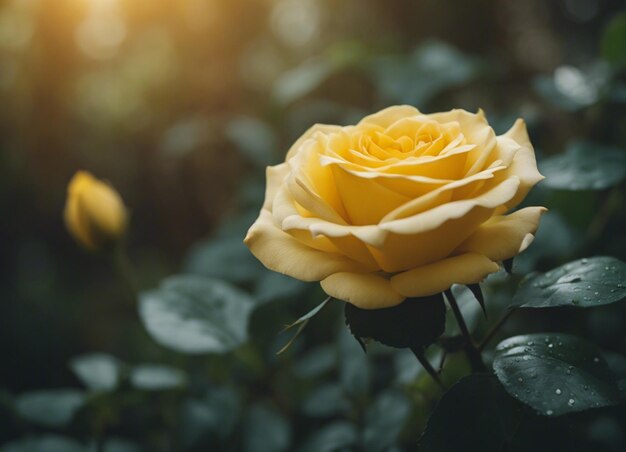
582, 283
572, 367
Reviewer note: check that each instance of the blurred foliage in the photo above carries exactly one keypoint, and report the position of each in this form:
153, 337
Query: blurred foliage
181, 104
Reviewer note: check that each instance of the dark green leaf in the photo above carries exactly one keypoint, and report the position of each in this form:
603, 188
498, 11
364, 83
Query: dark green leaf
340, 435
584, 166
152, 377
384, 420
475, 414
265, 430
51, 408
415, 323
613, 48
584, 283
555, 373
46, 443
97, 371
191, 314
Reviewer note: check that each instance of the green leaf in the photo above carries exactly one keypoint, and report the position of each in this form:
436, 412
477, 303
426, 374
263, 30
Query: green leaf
265, 429
255, 139
384, 420
154, 377
570, 88
97, 371
50, 408
415, 323
613, 48
191, 314
340, 435
584, 283
45, 443
584, 166
475, 414
555, 373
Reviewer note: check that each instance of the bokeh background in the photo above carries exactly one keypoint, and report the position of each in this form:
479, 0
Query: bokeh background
180, 104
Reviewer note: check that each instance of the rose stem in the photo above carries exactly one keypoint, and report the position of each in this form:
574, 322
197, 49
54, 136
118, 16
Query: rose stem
472, 353
125, 269
494, 329
419, 354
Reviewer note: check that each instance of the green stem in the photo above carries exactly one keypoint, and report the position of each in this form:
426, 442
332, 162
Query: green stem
472, 353
125, 269
495, 328
419, 354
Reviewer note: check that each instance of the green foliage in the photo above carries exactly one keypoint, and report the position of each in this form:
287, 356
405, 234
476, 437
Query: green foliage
555, 373
432, 68
191, 314
97, 371
415, 323
51, 408
584, 166
475, 414
47, 443
584, 283
613, 49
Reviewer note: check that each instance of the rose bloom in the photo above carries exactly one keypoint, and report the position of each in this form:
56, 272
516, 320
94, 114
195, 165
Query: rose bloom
403, 204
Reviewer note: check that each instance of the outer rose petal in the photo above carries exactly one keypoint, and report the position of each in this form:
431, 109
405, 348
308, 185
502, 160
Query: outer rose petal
524, 164
433, 278
364, 290
503, 237
282, 253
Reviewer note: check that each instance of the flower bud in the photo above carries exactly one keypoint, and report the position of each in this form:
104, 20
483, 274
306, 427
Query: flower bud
94, 212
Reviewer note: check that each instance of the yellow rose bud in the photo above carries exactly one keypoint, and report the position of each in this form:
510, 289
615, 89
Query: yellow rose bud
402, 204
94, 212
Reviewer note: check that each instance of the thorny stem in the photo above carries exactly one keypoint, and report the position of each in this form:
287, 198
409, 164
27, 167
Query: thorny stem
495, 328
419, 354
472, 353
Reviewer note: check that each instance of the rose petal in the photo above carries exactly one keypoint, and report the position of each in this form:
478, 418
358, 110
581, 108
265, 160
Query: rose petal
388, 116
364, 290
524, 164
433, 278
503, 237
282, 253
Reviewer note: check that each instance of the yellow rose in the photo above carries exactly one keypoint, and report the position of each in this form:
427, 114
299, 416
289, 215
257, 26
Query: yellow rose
403, 204
94, 212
